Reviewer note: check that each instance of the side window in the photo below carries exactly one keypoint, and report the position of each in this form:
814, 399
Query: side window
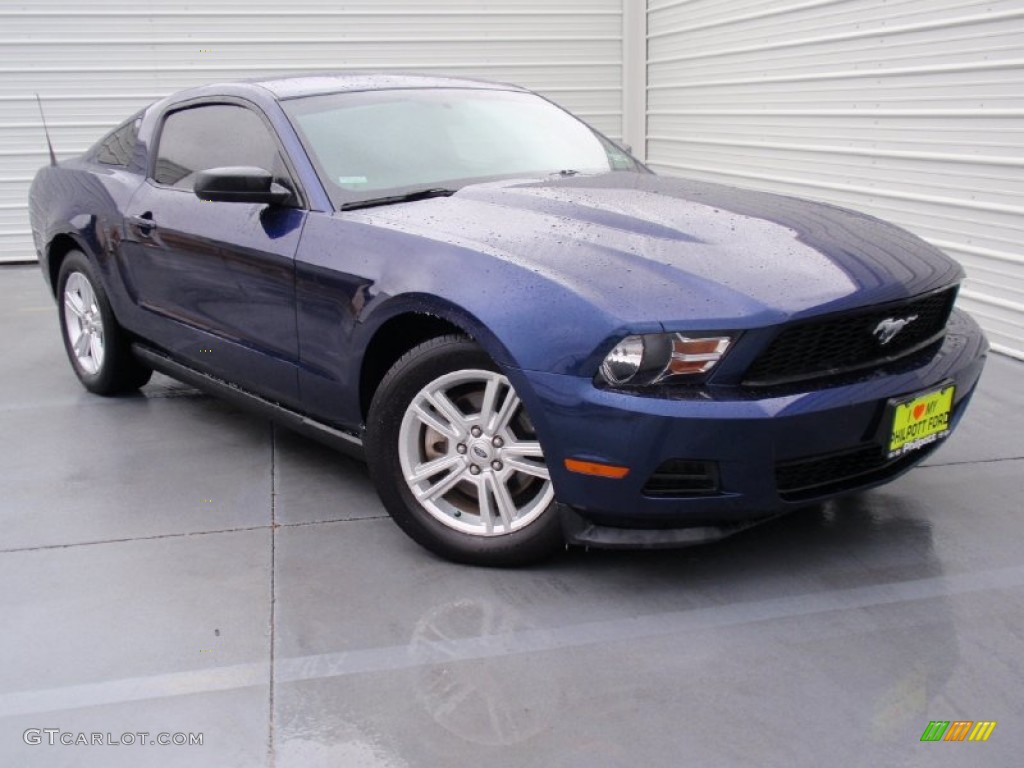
213, 136
118, 147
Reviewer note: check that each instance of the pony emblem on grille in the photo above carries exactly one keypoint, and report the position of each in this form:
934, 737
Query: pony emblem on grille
887, 329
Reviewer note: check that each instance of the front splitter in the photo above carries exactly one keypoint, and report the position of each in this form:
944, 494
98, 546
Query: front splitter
579, 531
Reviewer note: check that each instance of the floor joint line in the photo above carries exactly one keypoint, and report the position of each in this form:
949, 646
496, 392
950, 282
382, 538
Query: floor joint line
271, 752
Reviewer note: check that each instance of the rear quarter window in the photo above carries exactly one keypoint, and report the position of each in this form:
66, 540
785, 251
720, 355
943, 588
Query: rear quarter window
118, 146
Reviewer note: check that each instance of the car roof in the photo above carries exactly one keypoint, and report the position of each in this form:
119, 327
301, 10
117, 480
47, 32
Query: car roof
270, 88
337, 82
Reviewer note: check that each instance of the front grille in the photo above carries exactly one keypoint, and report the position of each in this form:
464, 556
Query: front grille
822, 475
683, 477
845, 342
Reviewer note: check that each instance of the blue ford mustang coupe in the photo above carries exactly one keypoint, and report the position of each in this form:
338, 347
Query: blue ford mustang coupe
529, 336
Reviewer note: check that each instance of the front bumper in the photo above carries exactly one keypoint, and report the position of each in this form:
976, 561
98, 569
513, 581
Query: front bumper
749, 441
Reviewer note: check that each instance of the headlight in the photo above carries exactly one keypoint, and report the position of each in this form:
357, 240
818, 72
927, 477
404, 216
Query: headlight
653, 358
624, 361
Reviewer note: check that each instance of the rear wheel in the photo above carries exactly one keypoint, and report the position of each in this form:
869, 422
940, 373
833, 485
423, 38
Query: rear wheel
456, 460
96, 345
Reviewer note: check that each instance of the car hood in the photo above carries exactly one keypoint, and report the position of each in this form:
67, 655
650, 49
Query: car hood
645, 248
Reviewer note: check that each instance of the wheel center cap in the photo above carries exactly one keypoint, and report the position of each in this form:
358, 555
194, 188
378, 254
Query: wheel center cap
480, 450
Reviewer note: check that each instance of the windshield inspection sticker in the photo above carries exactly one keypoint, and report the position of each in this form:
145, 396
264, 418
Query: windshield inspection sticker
352, 179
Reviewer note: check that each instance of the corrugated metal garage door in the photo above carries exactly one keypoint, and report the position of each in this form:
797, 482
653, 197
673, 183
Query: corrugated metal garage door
95, 63
909, 109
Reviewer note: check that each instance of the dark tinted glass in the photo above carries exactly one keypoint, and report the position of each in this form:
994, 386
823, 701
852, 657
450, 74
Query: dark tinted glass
118, 147
213, 136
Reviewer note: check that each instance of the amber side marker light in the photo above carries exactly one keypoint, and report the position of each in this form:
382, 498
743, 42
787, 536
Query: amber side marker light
597, 469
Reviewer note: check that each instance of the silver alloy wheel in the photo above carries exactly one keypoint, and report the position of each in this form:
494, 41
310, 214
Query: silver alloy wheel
470, 456
83, 323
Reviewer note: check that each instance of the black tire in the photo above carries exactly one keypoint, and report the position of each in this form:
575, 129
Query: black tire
540, 533
112, 369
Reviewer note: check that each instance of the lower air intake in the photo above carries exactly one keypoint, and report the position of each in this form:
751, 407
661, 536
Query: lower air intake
683, 477
821, 475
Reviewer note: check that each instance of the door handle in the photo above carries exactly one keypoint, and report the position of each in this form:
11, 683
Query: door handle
143, 222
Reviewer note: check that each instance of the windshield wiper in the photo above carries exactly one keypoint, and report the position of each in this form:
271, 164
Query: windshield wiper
408, 197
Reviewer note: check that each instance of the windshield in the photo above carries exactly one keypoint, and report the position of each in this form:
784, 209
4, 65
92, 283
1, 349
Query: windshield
373, 144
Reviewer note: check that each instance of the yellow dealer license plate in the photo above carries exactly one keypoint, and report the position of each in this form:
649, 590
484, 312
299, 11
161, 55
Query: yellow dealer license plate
920, 421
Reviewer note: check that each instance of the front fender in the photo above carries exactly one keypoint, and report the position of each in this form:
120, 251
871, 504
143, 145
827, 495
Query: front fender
425, 304
523, 316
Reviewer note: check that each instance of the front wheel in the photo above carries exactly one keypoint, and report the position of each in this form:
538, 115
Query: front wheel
456, 459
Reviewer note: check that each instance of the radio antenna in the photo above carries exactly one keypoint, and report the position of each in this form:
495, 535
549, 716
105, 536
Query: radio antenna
49, 144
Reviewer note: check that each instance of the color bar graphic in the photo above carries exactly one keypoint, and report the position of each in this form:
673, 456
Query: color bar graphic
958, 730
982, 730
935, 730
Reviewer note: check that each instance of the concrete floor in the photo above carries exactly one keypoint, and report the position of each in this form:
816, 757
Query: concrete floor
170, 564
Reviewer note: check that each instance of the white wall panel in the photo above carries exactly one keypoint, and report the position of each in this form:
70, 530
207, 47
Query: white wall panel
95, 63
912, 110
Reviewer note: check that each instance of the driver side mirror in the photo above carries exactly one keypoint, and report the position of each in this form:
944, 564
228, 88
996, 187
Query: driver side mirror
240, 184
